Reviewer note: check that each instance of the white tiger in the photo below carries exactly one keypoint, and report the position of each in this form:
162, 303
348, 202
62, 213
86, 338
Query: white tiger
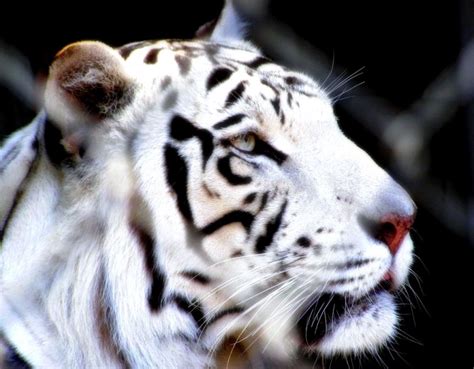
175, 193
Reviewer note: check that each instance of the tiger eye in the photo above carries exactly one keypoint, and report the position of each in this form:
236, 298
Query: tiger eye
245, 142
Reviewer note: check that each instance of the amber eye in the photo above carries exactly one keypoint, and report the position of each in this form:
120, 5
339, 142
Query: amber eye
245, 142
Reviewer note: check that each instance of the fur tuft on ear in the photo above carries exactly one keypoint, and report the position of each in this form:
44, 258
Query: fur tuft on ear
230, 27
87, 82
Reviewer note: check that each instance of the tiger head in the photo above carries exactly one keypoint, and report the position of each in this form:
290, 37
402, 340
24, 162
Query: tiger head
234, 177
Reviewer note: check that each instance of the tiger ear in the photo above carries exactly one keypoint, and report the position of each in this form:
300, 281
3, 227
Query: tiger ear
87, 83
230, 27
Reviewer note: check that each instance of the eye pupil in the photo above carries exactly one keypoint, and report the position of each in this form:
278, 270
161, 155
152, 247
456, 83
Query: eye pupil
245, 142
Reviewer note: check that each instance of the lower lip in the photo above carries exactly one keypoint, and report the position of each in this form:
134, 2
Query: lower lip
317, 319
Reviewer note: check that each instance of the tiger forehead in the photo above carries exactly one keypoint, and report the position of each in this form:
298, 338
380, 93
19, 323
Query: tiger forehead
224, 56
148, 52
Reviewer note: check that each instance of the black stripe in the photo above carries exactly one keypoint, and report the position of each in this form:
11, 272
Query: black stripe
184, 64
126, 50
223, 313
263, 201
211, 51
235, 95
207, 145
233, 119
269, 85
106, 321
255, 64
170, 100
158, 284
265, 149
218, 76
177, 178
272, 228
196, 277
223, 166
152, 56
165, 83
182, 129
55, 151
289, 99
292, 81
303, 241
21, 191
276, 105
191, 307
250, 198
236, 216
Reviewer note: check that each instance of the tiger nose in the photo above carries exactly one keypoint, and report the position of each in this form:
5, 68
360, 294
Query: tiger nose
392, 229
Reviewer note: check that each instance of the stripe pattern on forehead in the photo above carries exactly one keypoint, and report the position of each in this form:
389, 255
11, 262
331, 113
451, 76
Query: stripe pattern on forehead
184, 64
230, 121
258, 62
235, 95
152, 56
217, 77
127, 49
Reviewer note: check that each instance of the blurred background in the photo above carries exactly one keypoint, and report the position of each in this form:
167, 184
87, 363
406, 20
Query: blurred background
402, 76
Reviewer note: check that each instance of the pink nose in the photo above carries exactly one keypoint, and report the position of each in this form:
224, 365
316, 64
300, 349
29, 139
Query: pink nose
392, 230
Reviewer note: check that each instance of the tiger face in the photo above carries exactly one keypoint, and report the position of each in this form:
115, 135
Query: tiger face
255, 215
292, 222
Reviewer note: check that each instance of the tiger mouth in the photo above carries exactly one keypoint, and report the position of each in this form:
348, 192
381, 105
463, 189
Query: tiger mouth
327, 310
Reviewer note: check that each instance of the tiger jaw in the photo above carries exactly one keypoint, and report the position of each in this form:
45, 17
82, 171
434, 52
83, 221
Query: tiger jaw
362, 316
336, 324
332, 323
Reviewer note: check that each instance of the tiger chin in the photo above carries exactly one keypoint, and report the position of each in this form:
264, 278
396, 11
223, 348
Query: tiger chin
192, 204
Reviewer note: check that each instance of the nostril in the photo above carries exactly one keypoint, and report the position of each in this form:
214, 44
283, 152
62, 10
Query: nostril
392, 230
386, 233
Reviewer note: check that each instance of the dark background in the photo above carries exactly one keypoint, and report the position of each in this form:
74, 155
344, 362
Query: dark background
404, 46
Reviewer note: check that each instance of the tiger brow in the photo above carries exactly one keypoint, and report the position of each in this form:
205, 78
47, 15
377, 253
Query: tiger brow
230, 121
